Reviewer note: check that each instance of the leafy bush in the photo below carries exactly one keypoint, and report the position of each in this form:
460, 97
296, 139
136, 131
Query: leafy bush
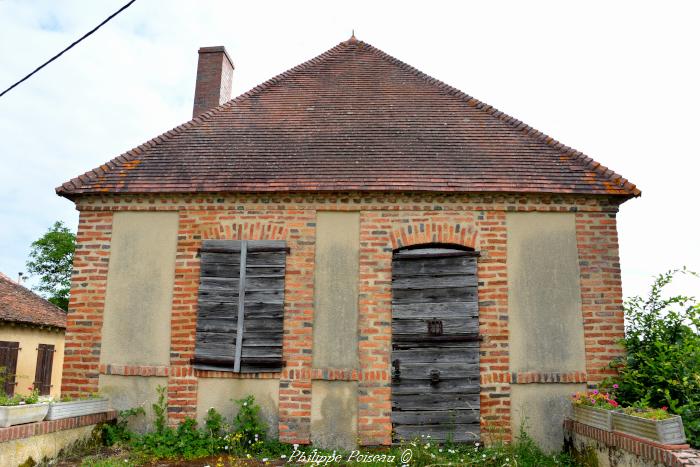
661, 366
118, 432
187, 441
248, 423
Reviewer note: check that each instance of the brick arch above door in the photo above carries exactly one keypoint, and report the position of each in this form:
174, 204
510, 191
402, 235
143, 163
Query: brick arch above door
426, 232
243, 230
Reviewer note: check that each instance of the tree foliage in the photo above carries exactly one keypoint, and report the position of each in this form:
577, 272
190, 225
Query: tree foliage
661, 366
51, 259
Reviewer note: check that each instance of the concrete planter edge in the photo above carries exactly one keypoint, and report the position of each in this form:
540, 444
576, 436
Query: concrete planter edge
669, 431
593, 416
77, 408
11, 415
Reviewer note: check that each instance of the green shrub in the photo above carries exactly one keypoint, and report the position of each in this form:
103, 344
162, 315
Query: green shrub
661, 366
245, 438
118, 432
248, 423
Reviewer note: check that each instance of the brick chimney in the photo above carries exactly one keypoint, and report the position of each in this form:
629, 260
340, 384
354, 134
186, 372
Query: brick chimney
214, 73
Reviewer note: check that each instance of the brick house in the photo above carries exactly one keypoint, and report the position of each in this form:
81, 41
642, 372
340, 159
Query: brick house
370, 252
32, 332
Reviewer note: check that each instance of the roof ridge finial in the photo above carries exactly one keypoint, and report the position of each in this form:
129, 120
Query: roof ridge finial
353, 39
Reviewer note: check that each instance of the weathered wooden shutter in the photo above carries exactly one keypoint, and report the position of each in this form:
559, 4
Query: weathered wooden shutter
44, 366
435, 344
8, 365
241, 306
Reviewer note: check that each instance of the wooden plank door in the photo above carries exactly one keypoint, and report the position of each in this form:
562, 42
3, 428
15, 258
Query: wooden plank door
435, 345
44, 367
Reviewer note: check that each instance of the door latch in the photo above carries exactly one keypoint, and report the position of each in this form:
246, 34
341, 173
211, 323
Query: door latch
396, 369
435, 327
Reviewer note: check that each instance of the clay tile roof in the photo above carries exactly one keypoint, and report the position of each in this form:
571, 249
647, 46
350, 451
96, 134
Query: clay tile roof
20, 305
352, 119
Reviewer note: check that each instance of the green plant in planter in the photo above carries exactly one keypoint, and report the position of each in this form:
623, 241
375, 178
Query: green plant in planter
649, 413
595, 399
19, 399
84, 397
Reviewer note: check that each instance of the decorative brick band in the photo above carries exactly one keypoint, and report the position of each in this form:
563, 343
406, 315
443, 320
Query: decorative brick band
549, 377
670, 455
529, 377
41, 428
134, 370
337, 374
231, 375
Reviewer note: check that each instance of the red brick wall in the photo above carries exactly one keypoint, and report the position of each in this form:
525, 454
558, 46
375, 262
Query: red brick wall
87, 299
387, 222
601, 291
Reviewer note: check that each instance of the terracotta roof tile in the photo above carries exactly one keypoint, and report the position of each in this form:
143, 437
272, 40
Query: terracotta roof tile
353, 118
20, 305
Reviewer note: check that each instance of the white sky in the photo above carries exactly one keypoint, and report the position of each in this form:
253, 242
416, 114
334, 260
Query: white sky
619, 81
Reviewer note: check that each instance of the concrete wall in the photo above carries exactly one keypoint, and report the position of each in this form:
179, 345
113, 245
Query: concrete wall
545, 321
335, 290
17, 451
136, 328
334, 414
544, 295
541, 410
126, 392
29, 339
220, 393
591, 452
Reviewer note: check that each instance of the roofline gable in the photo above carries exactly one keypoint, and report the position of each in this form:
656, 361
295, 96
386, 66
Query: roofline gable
71, 188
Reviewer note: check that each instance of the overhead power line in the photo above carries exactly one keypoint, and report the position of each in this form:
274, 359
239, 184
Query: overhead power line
69, 47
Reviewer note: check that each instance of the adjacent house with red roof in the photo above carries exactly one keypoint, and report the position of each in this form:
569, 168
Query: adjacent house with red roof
32, 332
373, 254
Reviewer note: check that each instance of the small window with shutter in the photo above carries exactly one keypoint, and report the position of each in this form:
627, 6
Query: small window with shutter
240, 316
44, 366
8, 366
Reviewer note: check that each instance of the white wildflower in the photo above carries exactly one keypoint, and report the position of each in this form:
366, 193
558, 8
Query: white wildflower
283, 456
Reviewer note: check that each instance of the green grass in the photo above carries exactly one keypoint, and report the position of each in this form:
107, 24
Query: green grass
424, 452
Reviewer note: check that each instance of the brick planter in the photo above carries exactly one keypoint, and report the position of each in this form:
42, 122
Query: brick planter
19, 414
592, 416
669, 431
